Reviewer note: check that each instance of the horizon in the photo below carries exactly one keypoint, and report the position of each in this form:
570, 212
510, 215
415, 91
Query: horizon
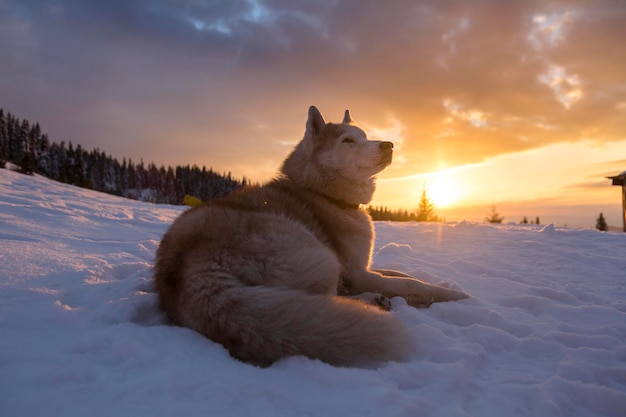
447, 208
521, 105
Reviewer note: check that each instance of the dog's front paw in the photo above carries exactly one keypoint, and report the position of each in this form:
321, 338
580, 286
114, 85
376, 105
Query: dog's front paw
374, 299
381, 302
419, 300
434, 294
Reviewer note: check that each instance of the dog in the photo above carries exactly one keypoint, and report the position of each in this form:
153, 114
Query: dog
282, 269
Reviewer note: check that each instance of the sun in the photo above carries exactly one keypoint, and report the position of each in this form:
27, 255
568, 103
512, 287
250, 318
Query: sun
442, 190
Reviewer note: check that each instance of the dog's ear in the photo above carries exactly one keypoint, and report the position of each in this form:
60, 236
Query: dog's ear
347, 119
316, 122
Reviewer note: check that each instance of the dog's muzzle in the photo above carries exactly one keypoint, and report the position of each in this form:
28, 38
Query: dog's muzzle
386, 149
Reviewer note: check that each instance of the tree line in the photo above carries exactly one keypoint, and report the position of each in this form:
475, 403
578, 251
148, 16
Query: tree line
24, 145
384, 214
425, 212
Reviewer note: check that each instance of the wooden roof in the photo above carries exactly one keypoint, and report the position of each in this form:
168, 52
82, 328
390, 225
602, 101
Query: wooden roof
618, 179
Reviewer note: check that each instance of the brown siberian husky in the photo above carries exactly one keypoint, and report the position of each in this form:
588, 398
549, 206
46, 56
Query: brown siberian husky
283, 269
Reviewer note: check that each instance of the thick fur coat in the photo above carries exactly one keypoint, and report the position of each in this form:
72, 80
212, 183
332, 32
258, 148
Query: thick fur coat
283, 269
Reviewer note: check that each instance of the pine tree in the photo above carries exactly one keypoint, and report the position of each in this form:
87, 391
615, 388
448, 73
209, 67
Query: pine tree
12, 152
170, 196
20, 154
494, 217
4, 139
426, 209
43, 155
601, 223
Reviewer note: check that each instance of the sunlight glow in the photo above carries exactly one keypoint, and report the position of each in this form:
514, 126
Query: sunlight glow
533, 182
442, 190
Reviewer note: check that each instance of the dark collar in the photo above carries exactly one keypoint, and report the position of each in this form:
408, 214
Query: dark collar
288, 186
340, 203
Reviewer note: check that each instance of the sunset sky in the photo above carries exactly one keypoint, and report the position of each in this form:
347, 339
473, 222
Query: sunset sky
517, 104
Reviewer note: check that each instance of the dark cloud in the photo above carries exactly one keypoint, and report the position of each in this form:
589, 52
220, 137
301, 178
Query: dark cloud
174, 81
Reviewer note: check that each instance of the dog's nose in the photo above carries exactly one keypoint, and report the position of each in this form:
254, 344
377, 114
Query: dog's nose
386, 145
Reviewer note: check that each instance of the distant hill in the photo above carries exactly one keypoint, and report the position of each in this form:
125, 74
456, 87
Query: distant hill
23, 144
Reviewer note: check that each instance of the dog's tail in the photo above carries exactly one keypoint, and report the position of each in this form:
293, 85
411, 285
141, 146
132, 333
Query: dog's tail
263, 324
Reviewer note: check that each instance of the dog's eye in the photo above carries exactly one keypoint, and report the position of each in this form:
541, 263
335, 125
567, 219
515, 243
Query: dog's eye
348, 140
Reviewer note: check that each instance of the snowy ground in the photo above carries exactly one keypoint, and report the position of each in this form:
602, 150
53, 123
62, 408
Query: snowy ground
544, 333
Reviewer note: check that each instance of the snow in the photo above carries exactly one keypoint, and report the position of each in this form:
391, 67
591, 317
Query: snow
544, 333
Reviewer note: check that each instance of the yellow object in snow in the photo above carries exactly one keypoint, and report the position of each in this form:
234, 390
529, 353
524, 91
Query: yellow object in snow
191, 201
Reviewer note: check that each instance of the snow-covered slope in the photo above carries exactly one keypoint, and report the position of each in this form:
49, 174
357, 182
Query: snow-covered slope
544, 333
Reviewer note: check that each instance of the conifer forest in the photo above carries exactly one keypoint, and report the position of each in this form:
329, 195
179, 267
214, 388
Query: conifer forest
23, 144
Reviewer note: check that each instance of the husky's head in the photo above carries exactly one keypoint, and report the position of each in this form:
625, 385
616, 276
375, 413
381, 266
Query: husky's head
337, 160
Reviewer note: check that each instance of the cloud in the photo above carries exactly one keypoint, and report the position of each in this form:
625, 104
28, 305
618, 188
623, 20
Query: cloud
475, 118
191, 81
549, 31
566, 87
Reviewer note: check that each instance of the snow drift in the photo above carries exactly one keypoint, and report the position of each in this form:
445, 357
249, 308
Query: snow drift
544, 333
